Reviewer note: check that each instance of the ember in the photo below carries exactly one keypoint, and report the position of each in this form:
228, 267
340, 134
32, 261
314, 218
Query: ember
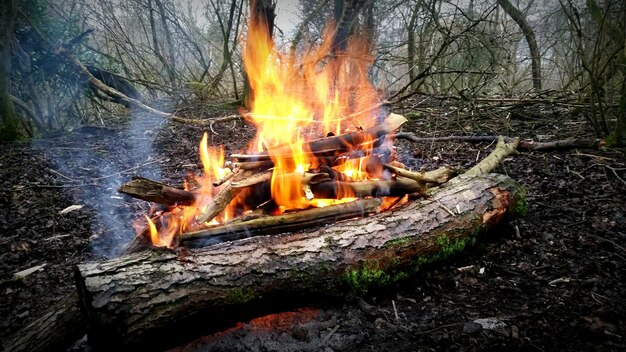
322, 141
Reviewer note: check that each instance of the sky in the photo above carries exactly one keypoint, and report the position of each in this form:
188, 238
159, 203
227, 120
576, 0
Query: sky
287, 18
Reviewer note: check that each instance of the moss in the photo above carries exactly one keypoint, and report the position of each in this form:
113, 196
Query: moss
362, 279
366, 278
447, 249
520, 205
240, 295
398, 242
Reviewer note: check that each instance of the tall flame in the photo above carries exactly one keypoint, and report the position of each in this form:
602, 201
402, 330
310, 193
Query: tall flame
293, 99
298, 98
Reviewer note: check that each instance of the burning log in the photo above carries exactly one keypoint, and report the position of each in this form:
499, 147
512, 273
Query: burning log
369, 188
243, 228
158, 298
334, 145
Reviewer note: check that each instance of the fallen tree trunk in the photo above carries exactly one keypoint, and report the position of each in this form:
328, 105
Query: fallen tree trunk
59, 327
158, 298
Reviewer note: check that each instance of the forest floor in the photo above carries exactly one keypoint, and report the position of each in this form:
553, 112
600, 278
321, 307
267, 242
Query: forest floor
553, 280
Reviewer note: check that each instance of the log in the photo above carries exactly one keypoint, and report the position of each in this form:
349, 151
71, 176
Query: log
156, 299
153, 191
369, 188
334, 145
268, 224
56, 330
226, 194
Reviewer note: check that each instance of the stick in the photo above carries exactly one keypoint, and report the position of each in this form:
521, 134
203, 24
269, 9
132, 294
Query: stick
488, 164
152, 191
282, 223
224, 196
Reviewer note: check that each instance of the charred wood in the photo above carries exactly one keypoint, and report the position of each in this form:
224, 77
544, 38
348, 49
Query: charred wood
152, 191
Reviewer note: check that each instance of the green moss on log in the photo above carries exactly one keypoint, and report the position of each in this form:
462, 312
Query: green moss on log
447, 248
520, 205
363, 279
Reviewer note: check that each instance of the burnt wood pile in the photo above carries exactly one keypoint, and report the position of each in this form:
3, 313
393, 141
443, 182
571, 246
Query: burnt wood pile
249, 181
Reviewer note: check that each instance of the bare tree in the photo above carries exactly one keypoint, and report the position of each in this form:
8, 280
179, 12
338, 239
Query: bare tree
10, 127
535, 56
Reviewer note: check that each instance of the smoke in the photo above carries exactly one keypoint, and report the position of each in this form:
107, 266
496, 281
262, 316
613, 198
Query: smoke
94, 161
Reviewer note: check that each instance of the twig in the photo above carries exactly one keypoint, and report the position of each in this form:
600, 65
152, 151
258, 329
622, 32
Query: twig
445, 208
327, 337
395, 311
615, 173
563, 144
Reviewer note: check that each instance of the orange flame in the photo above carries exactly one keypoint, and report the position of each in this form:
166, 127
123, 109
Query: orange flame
154, 234
302, 98
293, 99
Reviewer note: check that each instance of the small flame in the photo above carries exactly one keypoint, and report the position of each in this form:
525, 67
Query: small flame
154, 234
212, 160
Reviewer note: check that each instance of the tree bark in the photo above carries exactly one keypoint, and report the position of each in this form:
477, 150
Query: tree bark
56, 330
159, 298
10, 123
535, 55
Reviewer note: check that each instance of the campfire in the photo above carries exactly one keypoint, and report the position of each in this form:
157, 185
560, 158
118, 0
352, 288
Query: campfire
323, 152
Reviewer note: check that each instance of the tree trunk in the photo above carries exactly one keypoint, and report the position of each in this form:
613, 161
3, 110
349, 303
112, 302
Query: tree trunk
529, 34
10, 123
159, 298
56, 330
411, 47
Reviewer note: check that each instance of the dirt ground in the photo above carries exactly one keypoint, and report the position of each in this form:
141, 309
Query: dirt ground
554, 280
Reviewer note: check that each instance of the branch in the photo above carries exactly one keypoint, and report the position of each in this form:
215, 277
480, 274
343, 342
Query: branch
527, 144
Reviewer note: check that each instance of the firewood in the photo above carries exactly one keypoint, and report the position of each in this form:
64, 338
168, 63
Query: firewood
226, 194
156, 299
423, 178
367, 188
253, 180
267, 224
223, 180
365, 139
152, 191
249, 165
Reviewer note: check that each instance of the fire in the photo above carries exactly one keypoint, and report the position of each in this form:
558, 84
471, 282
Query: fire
294, 99
297, 98
154, 234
